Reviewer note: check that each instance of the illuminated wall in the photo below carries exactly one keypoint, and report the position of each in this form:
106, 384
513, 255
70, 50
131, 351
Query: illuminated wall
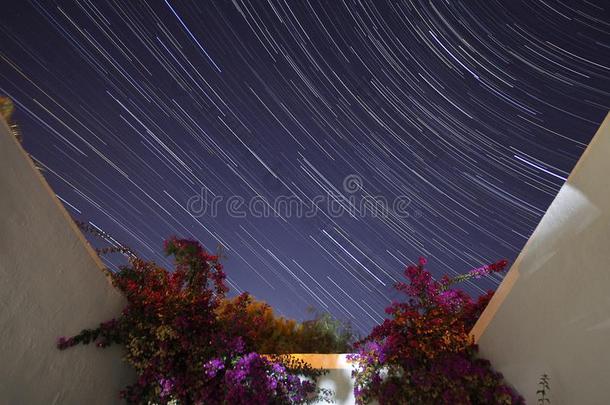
51, 284
551, 314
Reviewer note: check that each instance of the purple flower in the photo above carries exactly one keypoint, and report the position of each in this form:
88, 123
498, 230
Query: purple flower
212, 367
166, 387
64, 342
278, 368
480, 271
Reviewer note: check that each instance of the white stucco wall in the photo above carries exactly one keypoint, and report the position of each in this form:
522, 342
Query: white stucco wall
339, 376
551, 314
51, 284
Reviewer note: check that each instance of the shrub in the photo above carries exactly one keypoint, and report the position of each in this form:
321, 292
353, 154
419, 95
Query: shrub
181, 349
423, 353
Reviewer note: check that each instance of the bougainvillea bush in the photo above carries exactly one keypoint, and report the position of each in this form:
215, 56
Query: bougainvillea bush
180, 347
423, 354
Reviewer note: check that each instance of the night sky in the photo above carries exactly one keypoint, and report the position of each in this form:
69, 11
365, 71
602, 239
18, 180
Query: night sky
470, 114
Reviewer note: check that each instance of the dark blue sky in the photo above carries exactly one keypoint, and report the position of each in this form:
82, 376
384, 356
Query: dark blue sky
468, 115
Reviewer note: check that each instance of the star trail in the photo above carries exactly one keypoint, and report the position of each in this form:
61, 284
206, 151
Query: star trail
471, 113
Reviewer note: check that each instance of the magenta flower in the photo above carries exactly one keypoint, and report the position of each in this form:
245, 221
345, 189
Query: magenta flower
212, 367
423, 353
166, 387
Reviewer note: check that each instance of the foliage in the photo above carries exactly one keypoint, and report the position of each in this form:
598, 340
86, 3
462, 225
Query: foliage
323, 334
423, 353
181, 349
190, 344
6, 108
256, 322
115, 248
545, 387
265, 332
